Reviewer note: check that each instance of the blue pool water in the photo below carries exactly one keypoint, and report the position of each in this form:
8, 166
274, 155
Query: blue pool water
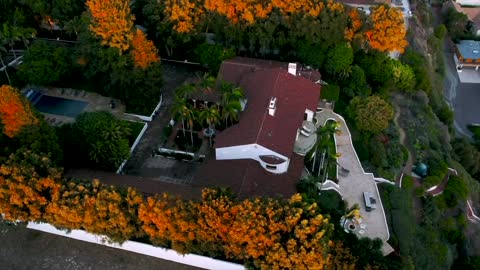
60, 106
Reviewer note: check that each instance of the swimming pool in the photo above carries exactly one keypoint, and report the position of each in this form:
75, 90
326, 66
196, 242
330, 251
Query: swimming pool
60, 106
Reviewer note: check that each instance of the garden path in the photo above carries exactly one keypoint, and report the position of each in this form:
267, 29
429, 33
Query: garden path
407, 169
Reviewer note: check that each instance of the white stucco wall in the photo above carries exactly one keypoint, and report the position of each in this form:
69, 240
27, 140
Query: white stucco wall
252, 151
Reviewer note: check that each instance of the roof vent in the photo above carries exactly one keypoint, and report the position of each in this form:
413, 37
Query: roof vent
292, 69
272, 106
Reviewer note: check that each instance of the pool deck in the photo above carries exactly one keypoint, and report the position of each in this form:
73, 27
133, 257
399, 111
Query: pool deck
95, 102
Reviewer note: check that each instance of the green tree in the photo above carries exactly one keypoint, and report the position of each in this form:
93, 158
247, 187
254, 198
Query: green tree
104, 139
330, 92
181, 109
212, 56
457, 24
339, 59
403, 76
357, 83
378, 70
311, 54
371, 114
45, 64
440, 31
419, 65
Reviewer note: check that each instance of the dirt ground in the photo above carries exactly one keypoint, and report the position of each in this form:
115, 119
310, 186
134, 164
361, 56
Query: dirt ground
22, 248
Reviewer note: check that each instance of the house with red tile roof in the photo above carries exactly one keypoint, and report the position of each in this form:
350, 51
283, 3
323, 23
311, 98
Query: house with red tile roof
263, 153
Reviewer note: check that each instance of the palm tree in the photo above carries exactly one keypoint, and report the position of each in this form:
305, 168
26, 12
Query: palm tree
207, 82
230, 111
211, 116
180, 108
185, 91
324, 134
190, 118
230, 92
353, 214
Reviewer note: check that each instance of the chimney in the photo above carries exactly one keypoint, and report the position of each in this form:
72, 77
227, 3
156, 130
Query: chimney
272, 106
292, 68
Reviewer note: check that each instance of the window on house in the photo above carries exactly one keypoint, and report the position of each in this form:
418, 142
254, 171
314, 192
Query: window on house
271, 167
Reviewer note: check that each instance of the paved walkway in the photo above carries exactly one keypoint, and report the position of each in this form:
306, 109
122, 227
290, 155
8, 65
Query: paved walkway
353, 185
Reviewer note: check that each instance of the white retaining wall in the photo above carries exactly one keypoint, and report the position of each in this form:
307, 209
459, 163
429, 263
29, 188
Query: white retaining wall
141, 248
137, 140
148, 118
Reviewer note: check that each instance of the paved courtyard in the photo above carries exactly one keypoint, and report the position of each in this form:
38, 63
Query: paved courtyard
353, 184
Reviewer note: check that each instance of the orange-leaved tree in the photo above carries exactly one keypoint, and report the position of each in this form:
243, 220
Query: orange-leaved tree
184, 14
143, 51
28, 183
355, 24
112, 21
15, 111
250, 10
97, 208
387, 32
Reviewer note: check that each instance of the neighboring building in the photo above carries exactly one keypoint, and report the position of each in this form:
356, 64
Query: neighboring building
467, 54
263, 153
364, 5
473, 14
468, 2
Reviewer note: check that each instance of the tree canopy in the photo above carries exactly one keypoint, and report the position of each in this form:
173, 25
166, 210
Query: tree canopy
387, 32
45, 64
15, 111
371, 114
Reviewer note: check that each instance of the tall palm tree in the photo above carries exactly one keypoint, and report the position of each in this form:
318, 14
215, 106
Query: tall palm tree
207, 82
324, 134
190, 118
211, 116
180, 108
230, 111
185, 91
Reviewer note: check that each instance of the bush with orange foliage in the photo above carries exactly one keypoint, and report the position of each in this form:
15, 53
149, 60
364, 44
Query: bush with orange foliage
143, 51
28, 183
15, 111
388, 31
96, 208
271, 233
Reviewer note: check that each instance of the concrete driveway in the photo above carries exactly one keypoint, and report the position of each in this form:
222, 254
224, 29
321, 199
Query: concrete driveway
463, 98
